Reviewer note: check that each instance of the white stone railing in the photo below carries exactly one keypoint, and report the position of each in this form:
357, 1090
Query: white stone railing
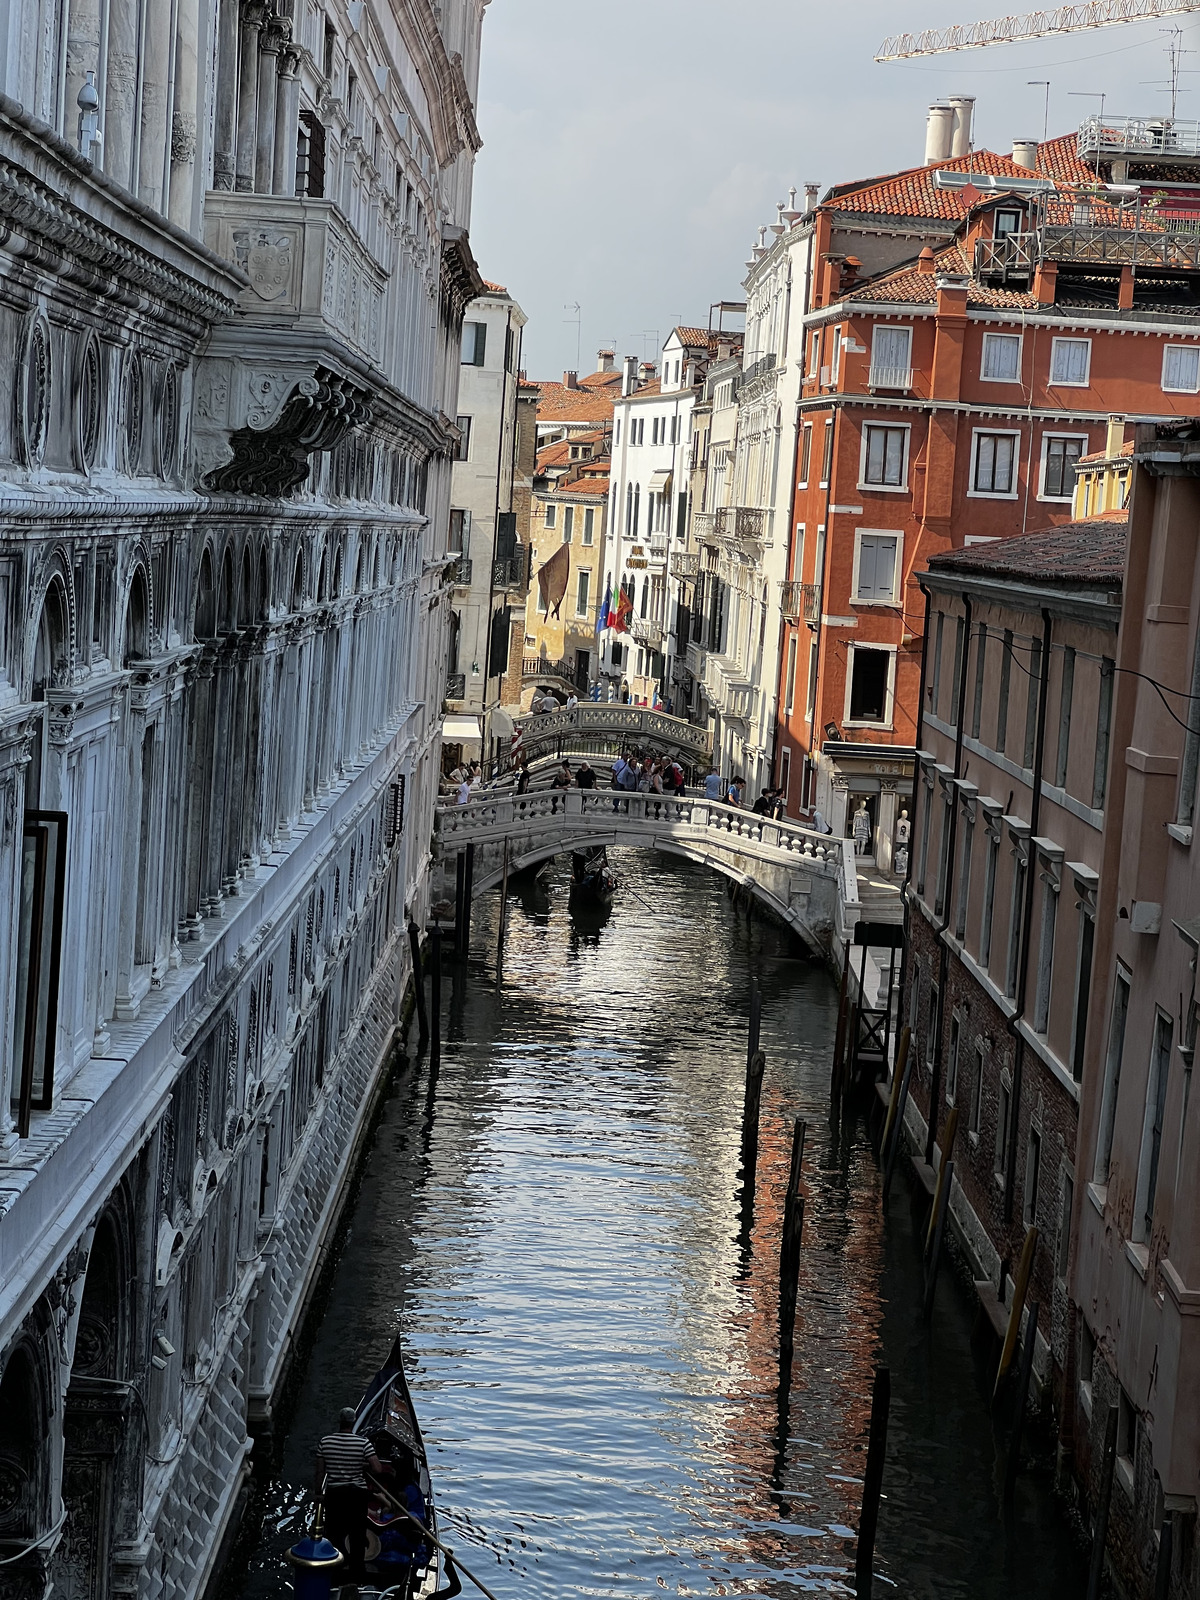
631, 724
606, 809
849, 907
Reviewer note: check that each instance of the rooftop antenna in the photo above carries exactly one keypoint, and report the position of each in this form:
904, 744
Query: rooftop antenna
577, 319
1090, 94
1043, 83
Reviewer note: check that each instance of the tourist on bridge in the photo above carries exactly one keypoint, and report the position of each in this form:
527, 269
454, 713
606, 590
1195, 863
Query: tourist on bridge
765, 803
572, 701
675, 780
343, 1460
464, 792
562, 778
523, 778
585, 778
736, 791
713, 784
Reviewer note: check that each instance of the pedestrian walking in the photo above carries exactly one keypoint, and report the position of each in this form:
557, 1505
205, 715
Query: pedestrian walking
712, 784
343, 1461
523, 778
734, 797
464, 793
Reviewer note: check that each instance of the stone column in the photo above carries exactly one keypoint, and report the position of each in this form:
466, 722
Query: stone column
287, 122
270, 43
153, 134
184, 114
225, 135
253, 16
14, 756
885, 826
120, 92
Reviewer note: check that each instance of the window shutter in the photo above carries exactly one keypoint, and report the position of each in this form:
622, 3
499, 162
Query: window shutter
506, 535
890, 347
885, 569
480, 343
867, 563
498, 653
895, 456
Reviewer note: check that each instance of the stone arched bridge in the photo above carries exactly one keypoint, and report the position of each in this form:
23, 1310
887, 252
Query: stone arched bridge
808, 879
590, 729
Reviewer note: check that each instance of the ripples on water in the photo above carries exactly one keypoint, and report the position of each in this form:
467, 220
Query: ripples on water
553, 1226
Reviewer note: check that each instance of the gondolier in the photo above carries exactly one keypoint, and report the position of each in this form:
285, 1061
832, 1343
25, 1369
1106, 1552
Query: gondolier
343, 1460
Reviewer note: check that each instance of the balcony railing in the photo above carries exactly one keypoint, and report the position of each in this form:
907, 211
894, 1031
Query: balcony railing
540, 667
686, 563
1009, 256
658, 546
1138, 138
743, 522
456, 686
458, 575
705, 523
810, 603
789, 601
696, 659
509, 572
646, 631
889, 378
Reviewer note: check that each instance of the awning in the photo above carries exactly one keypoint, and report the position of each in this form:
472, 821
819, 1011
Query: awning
660, 481
502, 723
459, 729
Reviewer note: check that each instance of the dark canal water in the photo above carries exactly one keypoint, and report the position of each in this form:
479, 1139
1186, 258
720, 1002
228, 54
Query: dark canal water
552, 1225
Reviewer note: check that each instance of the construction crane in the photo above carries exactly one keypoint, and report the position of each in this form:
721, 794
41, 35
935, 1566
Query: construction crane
1033, 25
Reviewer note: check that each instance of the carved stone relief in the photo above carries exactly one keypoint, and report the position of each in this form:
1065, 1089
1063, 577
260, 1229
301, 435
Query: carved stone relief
34, 377
266, 256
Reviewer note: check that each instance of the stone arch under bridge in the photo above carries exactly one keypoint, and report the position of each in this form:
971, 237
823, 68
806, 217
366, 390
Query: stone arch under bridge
802, 876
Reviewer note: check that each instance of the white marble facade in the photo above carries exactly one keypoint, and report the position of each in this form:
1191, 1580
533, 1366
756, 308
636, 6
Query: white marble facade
233, 269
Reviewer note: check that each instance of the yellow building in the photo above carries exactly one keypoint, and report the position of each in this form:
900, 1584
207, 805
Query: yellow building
568, 512
1102, 479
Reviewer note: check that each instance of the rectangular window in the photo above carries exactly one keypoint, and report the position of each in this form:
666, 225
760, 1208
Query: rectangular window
995, 464
568, 523
1031, 700
1066, 695
589, 525
977, 1094
790, 680
474, 343
1070, 362
1181, 369
1005, 684
827, 457
1190, 763
1103, 728
814, 353
1152, 1126
980, 667
891, 358
870, 672
1112, 1075
883, 453
617, 431
935, 688
933, 1026
952, 1063
463, 424
875, 576
991, 862
943, 871
964, 874
1003, 1116
1015, 910
1083, 990
1033, 1173
835, 356
583, 580
811, 698
1045, 971
551, 516
1062, 1248
460, 531
1059, 456
960, 644
1001, 358
1007, 222
805, 454
798, 554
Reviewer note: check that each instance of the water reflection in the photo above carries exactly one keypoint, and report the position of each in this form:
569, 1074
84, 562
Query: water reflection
552, 1224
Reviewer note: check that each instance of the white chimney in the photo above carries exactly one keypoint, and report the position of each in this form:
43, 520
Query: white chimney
1025, 153
811, 191
939, 132
628, 374
606, 360
964, 111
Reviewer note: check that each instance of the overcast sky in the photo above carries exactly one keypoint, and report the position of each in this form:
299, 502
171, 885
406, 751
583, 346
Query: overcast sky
632, 149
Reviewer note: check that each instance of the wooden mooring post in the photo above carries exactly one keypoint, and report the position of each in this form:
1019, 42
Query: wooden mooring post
839, 1039
897, 1137
864, 1560
894, 1097
789, 1257
503, 913
755, 1026
414, 945
460, 879
750, 1110
1014, 1443
435, 996
938, 1219
468, 892
1020, 1289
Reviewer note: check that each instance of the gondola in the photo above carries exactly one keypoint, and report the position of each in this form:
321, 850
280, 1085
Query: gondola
593, 881
397, 1558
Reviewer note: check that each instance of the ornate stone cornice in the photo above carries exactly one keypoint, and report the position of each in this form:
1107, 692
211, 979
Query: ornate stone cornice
273, 459
461, 279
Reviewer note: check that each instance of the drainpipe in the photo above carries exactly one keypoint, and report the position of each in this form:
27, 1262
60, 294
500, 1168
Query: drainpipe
905, 901
935, 1091
1035, 808
816, 688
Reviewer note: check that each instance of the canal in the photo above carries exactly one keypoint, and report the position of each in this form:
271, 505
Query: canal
552, 1225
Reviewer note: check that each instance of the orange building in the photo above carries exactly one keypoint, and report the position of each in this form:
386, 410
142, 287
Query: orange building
975, 327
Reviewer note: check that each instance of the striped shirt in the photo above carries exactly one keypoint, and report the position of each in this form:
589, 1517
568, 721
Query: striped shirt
344, 1455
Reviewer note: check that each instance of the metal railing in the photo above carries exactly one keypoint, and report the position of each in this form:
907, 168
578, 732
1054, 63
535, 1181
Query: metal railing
456, 686
1138, 138
540, 667
810, 603
509, 572
789, 601
757, 368
889, 378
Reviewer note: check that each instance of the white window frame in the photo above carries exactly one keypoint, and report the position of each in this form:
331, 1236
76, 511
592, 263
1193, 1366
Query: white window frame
806, 431
877, 533
550, 516
891, 327
835, 355
983, 357
991, 494
884, 488
789, 691
1194, 350
588, 536
582, 572
1054, 499
568, 524
1070, 383
890, 692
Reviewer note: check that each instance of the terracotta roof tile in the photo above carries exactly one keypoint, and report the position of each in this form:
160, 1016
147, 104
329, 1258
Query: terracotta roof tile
496, 288
1087, 553
909, 286
1103, 455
